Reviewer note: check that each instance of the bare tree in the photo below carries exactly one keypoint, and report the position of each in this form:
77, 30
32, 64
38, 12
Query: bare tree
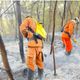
68, 10
63, 17
38, 16
50, 19
18, 12
5, 60
52, 46
1, 18
76, 31
16, 28
32, 6
43, 12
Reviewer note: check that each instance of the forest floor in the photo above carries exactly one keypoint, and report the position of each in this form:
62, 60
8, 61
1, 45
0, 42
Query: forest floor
67, 67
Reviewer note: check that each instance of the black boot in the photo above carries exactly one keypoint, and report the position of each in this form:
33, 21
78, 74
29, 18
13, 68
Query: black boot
63, 46
40, 74
30, 74
68, 53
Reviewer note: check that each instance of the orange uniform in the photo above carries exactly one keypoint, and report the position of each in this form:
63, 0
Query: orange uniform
66, 35
34, 54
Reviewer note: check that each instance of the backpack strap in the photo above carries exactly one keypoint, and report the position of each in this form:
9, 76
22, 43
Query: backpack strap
67, 33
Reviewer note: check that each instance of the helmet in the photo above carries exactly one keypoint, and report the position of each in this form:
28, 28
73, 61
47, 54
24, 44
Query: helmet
76, 19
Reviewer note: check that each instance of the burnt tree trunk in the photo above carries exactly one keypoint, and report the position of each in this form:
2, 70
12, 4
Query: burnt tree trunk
5, 60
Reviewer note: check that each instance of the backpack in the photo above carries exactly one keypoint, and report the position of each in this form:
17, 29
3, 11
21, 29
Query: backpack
40, 30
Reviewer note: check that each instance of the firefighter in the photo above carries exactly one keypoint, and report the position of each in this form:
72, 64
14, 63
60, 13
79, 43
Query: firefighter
34, 55
67, 33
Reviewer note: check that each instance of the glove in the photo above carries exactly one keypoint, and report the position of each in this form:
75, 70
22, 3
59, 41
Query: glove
25, 33
74, 40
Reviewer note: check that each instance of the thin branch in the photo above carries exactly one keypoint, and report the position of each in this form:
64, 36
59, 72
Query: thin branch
7, 9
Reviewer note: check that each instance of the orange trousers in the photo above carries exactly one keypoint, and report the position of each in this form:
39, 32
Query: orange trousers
67, 43
34, 57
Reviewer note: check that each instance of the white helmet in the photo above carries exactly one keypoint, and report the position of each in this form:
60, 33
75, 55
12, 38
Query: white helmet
76, 19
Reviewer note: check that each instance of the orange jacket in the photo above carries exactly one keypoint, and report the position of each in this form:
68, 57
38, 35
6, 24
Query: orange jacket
28, 34
24, 27
69, 27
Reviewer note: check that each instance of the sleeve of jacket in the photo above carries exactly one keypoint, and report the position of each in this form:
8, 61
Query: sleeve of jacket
23, 27
71, 28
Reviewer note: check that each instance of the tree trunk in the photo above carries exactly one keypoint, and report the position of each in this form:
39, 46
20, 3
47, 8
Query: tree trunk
16, 28
68, 3
32, 7
52, 46
71, 14
43, 12
18, 13
38, 17
5, 60
50, 20
76, 31
63, 17
1, 25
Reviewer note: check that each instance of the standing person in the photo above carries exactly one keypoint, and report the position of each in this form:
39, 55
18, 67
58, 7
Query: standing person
34, 53
67, 33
